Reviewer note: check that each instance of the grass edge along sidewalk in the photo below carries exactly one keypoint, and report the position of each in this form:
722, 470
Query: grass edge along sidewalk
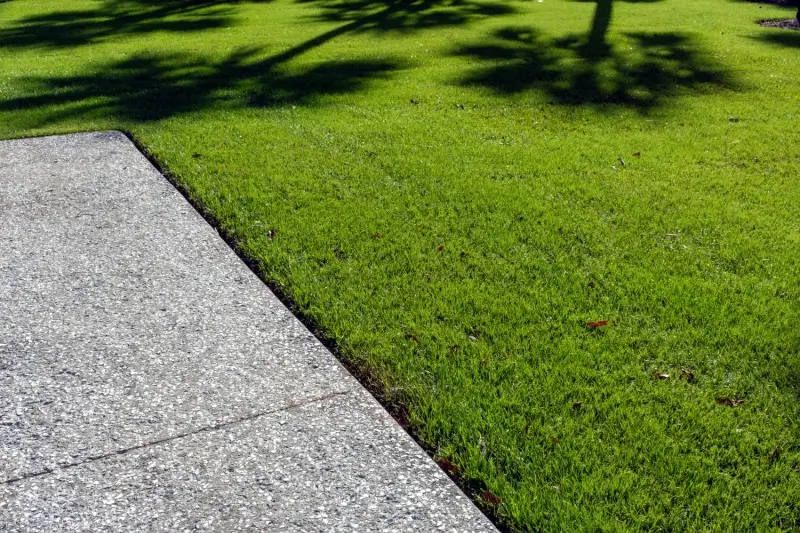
452, 192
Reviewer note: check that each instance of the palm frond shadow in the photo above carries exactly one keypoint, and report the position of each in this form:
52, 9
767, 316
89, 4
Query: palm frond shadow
115, 18
580, 71
154, 86
150, 87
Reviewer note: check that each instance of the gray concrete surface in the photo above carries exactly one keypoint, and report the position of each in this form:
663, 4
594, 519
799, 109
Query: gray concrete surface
150, 382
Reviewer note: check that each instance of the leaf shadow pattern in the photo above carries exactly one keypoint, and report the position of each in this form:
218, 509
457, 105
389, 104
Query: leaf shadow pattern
151, 87
406, 15
115, 18
641, 72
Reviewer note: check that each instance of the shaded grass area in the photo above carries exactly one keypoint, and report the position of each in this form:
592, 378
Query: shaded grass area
450, 191
572, 71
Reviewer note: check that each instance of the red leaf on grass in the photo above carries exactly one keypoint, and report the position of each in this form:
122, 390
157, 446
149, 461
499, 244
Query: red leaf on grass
597, 323
490, 497
730, 402
445, 464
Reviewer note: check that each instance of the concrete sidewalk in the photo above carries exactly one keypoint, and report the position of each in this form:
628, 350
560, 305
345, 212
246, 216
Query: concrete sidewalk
150, 382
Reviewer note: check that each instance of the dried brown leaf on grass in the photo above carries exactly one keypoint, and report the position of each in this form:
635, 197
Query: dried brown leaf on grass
730, 402
446, 465
775, 455
490, 497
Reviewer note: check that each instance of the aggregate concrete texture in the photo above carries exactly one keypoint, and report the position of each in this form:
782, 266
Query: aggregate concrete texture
150, 382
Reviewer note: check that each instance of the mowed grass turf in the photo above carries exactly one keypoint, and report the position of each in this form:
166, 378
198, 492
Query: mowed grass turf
452, 190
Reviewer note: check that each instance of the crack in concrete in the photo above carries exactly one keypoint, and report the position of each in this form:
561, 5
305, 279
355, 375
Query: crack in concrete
204, 429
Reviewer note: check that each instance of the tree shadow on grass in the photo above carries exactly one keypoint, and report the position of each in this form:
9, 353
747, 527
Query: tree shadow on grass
641, 71
150, 87
114, 18
596, 41
406, 15
788, 38
360, 16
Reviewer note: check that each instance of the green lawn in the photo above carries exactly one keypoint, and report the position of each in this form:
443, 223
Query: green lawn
440, 187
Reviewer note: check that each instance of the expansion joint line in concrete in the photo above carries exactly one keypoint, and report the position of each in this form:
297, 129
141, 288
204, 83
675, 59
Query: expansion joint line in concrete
205, 429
